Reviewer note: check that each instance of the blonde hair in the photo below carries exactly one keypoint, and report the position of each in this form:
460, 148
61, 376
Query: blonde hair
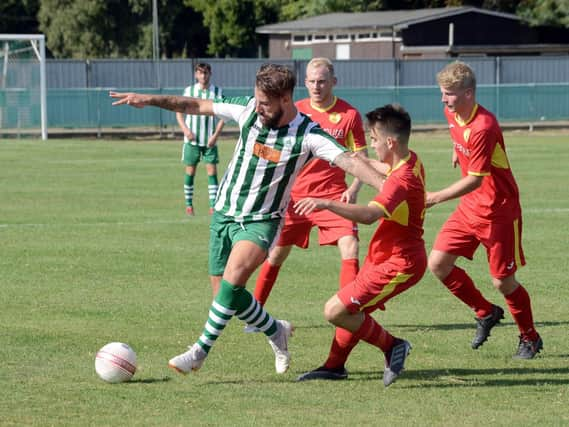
322, 62
457, 75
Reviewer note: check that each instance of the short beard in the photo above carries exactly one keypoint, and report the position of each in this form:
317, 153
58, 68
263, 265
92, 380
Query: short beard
273, 122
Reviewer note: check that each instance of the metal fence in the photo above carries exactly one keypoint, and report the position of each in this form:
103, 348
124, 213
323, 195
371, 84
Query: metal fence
70, 74
91, 108
527, 89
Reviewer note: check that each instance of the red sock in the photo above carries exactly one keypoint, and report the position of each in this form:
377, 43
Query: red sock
342, 345
349, 271
520, 306
265, 281
462, 287
374, 334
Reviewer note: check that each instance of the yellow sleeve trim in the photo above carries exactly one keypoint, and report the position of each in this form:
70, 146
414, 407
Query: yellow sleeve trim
478, 173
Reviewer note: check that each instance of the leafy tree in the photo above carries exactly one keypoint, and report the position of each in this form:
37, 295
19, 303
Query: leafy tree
232, 24
120, 28
545, 12
89, 28
296, 9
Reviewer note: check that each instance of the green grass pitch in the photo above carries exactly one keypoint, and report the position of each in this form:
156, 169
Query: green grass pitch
95, 247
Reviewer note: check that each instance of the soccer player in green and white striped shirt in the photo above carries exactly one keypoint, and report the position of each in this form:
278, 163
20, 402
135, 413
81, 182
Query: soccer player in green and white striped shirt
200, 137
275, 142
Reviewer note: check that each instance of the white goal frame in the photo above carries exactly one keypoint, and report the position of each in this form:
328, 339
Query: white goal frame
37, 42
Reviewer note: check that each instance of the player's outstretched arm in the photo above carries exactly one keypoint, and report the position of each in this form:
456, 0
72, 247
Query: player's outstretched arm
361, 168
461, 187
178, 103
357, 213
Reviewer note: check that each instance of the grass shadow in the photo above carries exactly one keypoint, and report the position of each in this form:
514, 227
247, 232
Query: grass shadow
149, 380
461, 377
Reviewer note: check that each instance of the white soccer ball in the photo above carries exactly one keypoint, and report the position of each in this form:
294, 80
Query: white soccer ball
115, 362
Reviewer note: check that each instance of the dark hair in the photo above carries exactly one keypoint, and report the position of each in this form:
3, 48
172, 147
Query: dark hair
393, 119
275, 80
203, 66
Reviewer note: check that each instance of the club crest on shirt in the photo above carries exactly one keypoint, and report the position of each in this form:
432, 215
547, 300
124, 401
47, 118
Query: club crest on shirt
335, 118
466, 134
267, 153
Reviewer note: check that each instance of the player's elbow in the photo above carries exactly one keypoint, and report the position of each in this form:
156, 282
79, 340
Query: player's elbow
370, 214
368, 218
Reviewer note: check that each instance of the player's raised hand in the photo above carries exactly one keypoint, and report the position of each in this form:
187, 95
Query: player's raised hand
129, 98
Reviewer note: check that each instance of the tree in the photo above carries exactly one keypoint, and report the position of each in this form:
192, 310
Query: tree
545, 12
120, 28
232, 24
89, 28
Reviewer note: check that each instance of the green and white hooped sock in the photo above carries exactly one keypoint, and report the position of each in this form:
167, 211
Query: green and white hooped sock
212, 189
231, 300
255, 315
189, 189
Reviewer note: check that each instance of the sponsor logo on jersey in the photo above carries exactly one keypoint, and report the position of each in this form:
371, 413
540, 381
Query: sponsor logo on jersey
267, 153
461, 148
335, 118
335, 133
466, 134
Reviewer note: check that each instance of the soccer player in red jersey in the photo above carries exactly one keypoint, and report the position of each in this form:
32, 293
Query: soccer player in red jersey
488, 213
320, 179
396, 258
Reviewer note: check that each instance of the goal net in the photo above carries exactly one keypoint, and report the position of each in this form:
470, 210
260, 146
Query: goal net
23, 106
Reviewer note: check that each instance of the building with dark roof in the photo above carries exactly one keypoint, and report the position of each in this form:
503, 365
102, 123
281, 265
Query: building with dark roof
421, 33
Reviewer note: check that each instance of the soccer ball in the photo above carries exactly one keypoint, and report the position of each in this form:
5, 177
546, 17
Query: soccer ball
115, 362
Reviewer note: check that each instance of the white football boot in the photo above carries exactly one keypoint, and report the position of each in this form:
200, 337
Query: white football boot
191, 360
279, 344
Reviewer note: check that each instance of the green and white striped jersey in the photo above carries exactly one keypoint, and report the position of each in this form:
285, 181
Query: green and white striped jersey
201, 126
258, 180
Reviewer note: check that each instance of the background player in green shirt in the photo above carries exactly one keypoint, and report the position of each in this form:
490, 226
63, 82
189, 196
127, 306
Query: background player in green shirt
200, 137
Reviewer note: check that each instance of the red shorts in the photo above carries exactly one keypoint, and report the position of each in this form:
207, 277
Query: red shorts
331, 227
503, 242
376, 284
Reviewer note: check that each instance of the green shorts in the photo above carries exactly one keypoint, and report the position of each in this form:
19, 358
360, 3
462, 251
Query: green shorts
224, 232
191, 154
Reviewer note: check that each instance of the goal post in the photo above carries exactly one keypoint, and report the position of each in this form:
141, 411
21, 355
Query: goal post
23, 90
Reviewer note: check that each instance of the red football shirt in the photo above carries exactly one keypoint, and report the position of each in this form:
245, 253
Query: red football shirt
402, 198
479, 144
344, 123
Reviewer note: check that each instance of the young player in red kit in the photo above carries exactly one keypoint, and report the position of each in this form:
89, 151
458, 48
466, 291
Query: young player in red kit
320, 179
489, 213
396, 258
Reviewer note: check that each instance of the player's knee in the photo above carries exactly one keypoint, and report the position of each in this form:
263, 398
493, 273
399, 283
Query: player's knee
279, 254
333, 310
506, 285
439, 268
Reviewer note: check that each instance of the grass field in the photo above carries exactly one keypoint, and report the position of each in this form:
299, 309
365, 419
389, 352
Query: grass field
95, 247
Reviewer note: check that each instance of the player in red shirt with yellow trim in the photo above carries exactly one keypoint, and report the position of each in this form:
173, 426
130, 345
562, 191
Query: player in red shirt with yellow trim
489, 213
396, 258
320, 179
